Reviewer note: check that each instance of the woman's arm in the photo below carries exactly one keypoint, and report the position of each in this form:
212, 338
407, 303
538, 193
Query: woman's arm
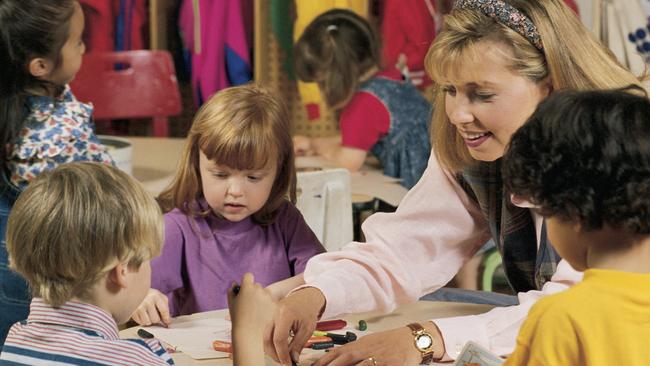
411, 252
280, 289
408, 253
497, 329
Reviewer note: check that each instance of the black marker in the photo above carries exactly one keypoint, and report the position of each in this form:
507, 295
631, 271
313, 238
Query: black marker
235, 289
144, 334
342, 338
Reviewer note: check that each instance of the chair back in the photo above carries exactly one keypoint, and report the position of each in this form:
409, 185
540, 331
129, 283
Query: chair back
325, 201
130, 84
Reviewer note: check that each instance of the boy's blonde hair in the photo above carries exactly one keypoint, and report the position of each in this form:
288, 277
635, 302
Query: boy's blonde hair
74, 223
572, 59
242, 127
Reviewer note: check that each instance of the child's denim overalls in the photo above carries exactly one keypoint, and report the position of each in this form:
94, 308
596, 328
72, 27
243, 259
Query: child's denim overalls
404, 152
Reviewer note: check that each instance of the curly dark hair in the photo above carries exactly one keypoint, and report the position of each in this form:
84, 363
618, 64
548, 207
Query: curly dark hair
585, 157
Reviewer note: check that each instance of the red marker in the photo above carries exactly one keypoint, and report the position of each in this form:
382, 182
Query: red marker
331, 324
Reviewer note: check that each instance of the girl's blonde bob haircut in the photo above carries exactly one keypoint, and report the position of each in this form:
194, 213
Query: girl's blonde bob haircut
243, 127
572, 59
74, 223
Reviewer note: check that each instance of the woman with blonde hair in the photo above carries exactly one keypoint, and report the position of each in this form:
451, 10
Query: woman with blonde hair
493, 63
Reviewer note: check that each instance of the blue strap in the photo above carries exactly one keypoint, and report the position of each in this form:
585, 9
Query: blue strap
119, 27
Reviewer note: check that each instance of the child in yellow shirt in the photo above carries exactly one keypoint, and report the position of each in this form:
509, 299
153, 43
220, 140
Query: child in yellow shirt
583, 161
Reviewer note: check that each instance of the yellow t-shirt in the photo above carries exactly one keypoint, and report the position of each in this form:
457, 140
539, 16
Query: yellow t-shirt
604, 320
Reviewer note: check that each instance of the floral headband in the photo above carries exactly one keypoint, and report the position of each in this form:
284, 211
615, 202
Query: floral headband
505, 14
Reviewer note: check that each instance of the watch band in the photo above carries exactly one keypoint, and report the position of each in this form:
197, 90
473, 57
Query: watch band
427, 356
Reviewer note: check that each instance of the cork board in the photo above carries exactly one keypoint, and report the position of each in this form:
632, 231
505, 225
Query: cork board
268, 71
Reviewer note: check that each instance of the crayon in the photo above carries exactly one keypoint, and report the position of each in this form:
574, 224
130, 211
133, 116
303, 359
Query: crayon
331, 324
322, 345
317, 339
222, 346
363, 325
342, 338
336, 338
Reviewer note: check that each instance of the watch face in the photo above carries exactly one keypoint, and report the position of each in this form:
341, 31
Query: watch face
424, 342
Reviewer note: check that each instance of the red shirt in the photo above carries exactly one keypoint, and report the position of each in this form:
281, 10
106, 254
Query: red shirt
365, 119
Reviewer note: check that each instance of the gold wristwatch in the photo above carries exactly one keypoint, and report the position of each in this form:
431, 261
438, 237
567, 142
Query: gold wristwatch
423, 342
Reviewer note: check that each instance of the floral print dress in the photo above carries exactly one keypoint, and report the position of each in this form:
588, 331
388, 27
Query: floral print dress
57, 130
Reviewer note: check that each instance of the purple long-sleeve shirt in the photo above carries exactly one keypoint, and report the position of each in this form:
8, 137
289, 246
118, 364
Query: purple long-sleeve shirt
202, 257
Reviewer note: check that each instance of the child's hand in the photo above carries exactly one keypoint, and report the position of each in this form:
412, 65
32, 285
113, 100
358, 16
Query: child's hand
302, 146
251, 312
154, 309
253, 307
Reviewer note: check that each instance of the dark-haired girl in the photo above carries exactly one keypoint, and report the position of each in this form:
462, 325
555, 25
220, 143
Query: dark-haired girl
43, 125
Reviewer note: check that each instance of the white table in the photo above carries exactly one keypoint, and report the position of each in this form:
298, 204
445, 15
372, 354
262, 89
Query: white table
418, 311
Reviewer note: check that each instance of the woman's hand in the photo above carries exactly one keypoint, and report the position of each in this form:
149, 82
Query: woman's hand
302, 146
298, 313
392, 347
280, 289
154, 309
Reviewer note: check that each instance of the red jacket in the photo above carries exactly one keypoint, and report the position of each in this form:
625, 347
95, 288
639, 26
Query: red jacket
99, 33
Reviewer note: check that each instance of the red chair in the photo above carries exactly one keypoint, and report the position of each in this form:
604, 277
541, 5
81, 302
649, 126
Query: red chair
130, 84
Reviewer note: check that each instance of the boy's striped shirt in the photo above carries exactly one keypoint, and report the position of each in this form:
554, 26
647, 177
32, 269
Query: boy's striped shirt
75, 334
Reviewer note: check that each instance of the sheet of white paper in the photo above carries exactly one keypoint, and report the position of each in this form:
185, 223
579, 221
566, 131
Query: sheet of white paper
195, 337
475, 354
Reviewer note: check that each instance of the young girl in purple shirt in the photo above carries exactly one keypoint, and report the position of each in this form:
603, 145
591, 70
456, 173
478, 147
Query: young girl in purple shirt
230, 207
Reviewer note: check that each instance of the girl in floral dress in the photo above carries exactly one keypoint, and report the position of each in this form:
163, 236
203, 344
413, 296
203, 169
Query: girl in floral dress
43, 125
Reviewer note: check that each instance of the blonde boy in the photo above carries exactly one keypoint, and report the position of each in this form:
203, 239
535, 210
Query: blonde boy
82, 235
